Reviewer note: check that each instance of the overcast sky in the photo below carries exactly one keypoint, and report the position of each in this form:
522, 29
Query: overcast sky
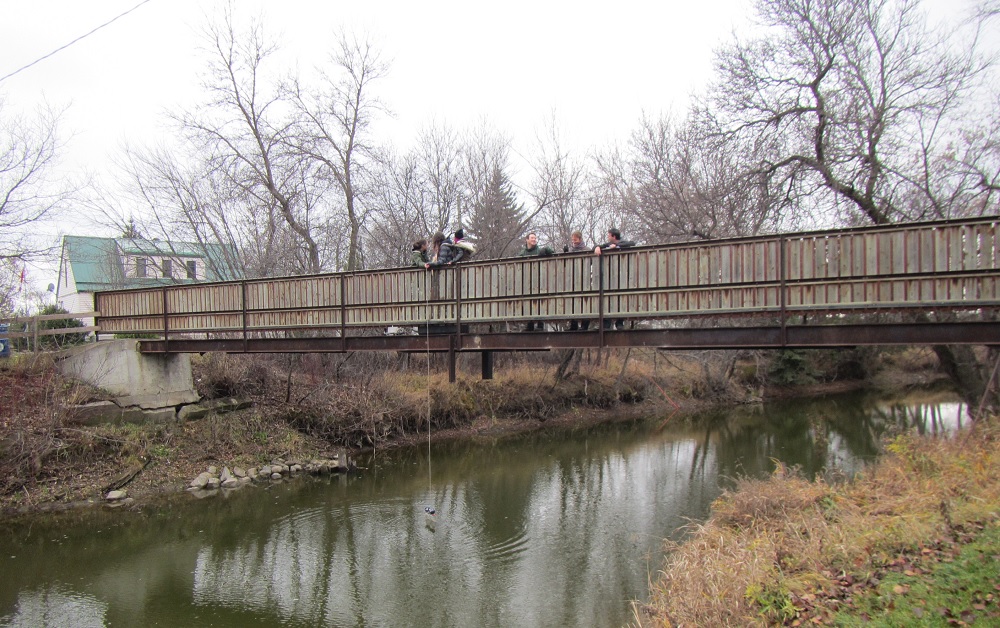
597, 66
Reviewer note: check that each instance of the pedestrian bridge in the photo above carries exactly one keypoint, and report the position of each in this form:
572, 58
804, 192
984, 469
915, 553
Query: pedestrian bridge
920, 283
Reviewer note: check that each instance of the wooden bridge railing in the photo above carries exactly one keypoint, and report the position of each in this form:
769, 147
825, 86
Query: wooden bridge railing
933, 266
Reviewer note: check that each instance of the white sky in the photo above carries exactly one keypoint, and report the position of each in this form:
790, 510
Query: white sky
596, 66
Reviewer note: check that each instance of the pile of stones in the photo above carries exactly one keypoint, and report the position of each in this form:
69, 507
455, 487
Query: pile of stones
213, 479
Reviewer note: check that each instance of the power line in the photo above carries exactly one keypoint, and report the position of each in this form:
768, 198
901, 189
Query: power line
65, 46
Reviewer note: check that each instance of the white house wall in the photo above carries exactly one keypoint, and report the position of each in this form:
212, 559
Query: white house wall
79, 302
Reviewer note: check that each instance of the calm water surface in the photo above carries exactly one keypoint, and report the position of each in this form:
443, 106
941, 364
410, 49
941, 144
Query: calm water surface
559, 528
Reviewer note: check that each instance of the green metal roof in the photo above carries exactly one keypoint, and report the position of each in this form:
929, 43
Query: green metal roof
97, 262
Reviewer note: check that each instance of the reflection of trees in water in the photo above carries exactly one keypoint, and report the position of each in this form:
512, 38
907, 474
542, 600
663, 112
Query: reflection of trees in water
53, 606
842, 432
537, 530
747, 442
925, 419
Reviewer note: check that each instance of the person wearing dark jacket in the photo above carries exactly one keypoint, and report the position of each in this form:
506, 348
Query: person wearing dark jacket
614, 242
443, 252
531, 249
466, 249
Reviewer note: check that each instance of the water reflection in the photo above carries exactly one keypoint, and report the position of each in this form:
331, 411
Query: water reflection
551, 529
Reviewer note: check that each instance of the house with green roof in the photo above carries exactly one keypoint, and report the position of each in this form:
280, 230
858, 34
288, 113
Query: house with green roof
88, 265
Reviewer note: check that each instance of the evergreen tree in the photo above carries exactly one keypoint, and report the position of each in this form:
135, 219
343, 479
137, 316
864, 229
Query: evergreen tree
496, 220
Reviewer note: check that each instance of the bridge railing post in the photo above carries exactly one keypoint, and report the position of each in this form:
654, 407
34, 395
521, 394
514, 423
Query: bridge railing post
458, 303
782, 291
600, 300
166, 321
243, 314
343, 313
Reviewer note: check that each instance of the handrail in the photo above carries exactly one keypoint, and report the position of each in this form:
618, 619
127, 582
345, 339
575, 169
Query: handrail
945, 264
33, 331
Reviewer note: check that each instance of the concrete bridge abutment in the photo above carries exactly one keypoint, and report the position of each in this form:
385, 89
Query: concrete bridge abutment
144, 382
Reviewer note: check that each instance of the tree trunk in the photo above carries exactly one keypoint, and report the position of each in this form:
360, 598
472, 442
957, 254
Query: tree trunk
959, 362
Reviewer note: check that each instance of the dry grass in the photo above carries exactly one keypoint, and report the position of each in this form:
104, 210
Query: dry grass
327, 403
385, 407
787, 551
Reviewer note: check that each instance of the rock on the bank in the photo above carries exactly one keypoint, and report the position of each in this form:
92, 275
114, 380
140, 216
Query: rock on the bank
208, 482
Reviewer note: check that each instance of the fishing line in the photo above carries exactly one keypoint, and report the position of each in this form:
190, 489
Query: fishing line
427, 364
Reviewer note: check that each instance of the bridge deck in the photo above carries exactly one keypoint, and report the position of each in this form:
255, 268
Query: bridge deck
938, 267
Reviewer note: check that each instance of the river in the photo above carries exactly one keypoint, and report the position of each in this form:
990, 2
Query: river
553, 528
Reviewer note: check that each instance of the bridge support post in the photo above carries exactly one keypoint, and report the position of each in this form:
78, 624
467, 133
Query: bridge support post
452, 376
487, 365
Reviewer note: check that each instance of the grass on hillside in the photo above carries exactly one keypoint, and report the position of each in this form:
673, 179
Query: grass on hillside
912, 541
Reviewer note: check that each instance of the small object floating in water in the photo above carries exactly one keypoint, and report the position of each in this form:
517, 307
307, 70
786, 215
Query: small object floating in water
430, 510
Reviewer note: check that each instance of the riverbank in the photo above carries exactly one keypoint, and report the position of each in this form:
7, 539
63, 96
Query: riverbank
915, 540
49, 462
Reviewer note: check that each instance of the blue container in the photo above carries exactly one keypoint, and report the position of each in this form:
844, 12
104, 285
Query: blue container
4, 341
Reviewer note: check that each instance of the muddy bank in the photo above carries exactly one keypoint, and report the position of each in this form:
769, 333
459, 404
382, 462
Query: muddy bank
50, 463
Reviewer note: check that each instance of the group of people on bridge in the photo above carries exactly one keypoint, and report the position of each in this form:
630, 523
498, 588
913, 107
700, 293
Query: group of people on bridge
441, 251
445, 251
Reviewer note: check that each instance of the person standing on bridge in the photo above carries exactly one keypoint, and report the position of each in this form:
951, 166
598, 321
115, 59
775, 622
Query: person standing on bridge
531, 249
418, 257
465, 249
443, 252
614, 242
577, 245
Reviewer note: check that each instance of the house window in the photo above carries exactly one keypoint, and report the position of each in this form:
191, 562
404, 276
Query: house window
168, 268
140, 267
192, 268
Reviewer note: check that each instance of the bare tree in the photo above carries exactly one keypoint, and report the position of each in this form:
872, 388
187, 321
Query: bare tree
684, 181
613, 193
398, 211
242, 134
855, 96
185, 199
558, 189
333, 128
30, 193
10, 286
414, 195
971, 171
439, 159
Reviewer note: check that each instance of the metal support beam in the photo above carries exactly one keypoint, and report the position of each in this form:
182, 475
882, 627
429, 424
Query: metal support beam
792, 336
452, 367
487, 364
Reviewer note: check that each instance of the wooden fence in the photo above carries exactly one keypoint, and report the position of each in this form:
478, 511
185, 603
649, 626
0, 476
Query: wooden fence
33, 332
